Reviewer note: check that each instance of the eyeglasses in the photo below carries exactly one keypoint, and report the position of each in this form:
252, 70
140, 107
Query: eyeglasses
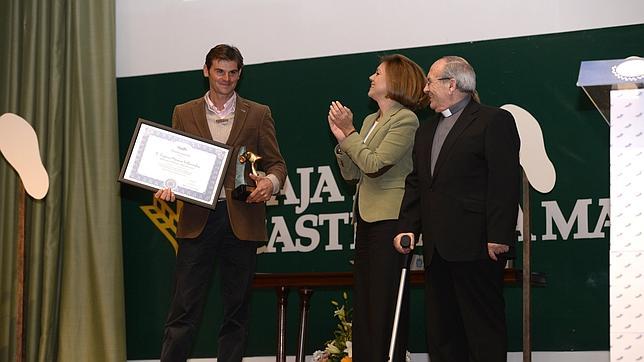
429, 81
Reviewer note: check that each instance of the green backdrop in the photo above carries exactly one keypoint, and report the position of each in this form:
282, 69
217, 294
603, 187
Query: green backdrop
537, 73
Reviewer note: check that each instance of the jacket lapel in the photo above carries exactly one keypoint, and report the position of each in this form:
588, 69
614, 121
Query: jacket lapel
469, 114
427, 150
199, 114
386, 117
366, 126
241, 111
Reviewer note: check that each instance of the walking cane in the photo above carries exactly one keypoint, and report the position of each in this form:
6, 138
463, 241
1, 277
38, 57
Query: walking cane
405, 242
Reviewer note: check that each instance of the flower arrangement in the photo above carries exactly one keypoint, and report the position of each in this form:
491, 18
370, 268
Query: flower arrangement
339, 348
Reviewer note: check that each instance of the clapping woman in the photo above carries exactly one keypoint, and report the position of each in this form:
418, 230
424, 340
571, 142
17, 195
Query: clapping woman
378, 157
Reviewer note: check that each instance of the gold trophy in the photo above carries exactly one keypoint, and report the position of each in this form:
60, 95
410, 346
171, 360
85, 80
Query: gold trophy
242, 189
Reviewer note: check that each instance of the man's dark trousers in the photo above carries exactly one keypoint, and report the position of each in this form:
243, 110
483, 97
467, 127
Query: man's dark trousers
196, 259
467, 293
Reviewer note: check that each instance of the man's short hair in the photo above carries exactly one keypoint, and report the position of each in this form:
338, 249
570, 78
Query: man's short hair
225, 52
405, 81
460, 70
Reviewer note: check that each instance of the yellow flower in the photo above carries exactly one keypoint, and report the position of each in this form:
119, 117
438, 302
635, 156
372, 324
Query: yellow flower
339, 348
332, 349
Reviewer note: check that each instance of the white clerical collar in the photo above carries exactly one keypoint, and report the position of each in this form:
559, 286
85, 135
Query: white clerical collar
459, 106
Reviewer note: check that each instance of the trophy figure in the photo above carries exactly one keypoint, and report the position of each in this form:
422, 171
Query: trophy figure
242, 189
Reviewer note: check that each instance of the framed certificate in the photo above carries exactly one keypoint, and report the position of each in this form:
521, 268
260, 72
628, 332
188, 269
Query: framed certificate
160, 157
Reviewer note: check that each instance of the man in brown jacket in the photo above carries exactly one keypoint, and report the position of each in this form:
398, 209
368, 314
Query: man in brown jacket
229, 234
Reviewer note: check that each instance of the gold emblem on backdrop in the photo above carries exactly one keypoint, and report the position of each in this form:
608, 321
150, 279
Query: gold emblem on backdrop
165, 218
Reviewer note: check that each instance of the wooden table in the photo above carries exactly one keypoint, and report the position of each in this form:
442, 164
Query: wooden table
306, 282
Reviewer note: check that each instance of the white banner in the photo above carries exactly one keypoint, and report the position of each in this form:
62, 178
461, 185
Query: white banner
164, 36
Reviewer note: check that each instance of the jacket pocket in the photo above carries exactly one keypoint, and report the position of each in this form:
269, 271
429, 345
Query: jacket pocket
474, 206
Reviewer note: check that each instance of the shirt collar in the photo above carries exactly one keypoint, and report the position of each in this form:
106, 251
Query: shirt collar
229, 106
456, 107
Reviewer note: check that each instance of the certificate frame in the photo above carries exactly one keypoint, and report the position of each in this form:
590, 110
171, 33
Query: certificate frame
160, 156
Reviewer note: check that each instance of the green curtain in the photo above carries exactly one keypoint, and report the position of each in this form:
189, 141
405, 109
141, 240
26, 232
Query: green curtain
57, 70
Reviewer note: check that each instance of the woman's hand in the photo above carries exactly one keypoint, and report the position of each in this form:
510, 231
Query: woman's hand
337, 132
342, 118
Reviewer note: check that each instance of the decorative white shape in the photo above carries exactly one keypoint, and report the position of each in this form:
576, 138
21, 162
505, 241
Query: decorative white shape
533, 156
19, 145
632, 69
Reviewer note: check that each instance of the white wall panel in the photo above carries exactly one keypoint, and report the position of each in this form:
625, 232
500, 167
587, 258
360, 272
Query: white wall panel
627, 225
160, 36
